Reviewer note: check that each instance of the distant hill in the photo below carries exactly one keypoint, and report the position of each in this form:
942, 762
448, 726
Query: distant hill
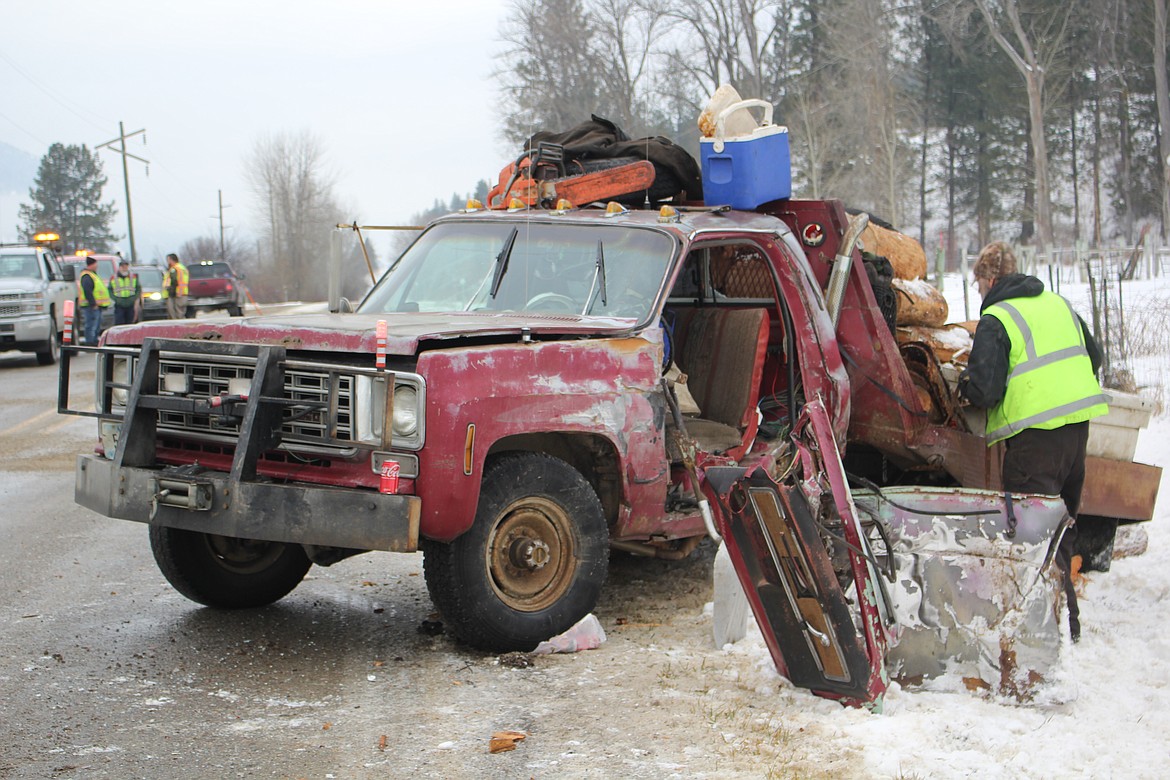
17, 169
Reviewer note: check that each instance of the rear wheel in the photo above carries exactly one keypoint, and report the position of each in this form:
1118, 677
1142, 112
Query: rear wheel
222, 571
532, 564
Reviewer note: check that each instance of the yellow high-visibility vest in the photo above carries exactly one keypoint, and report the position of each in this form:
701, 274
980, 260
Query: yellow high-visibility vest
181, 278
1050, 376
101, 293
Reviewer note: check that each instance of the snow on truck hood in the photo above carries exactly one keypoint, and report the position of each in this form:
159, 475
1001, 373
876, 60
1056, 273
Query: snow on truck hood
356, 332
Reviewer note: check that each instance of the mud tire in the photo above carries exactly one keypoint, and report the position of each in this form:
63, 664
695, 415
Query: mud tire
224, 572
487, 596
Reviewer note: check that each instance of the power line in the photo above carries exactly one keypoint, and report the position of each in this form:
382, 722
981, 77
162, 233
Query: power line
54, 97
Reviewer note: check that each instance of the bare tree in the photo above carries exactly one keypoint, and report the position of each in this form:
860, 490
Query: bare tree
848, 114
294, 197
237, 253
1032, 53
629, 36
551, 72
731, 42
1162, 91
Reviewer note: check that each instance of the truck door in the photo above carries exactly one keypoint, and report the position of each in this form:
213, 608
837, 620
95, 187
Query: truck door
807, 566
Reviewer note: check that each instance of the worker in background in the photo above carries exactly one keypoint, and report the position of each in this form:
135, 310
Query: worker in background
1033, 367
175, 287
127, 294
92, 297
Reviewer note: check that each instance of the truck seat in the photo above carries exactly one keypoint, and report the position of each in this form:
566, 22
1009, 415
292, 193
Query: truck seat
722, 350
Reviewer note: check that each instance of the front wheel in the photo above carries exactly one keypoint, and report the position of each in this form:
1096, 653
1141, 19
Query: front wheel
225, 572
52, 351
533, 562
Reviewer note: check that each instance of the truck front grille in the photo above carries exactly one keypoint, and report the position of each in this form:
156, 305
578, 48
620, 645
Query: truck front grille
16, 304
209, 379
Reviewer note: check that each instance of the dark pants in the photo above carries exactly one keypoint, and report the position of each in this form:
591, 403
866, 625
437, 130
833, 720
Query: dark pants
124, 315
1053, 463
91, 324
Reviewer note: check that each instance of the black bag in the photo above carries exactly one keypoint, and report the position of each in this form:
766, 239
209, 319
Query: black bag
599, 144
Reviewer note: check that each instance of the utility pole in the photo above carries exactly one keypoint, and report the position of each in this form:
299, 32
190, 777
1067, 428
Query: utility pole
121, 139
222, 245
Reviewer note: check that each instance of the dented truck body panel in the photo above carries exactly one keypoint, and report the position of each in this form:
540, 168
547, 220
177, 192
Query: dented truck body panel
564, 391
974, 587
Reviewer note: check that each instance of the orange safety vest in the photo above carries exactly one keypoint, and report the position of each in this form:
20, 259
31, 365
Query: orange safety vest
180, 277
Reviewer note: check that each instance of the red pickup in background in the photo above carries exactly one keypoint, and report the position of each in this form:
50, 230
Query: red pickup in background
214, 285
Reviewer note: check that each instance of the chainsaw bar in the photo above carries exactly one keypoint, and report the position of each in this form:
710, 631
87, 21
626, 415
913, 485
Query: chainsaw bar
584, 188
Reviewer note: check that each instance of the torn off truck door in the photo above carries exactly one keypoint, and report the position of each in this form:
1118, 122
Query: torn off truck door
825, 632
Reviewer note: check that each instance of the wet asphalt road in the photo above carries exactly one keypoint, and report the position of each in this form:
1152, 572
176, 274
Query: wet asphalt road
106, 672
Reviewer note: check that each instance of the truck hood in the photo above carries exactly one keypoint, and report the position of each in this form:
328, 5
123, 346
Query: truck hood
22, 285
357, 332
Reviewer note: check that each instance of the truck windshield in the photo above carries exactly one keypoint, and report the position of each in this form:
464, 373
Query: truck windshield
19, 265
550, 269
206, 270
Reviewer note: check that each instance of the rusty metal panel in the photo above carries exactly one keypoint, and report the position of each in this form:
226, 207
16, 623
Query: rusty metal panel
1116, 488
605, 389
975, 593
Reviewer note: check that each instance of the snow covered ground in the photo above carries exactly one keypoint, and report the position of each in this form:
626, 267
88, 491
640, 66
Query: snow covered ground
1105, 714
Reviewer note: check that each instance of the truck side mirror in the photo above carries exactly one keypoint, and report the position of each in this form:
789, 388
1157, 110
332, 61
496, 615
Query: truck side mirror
68, 273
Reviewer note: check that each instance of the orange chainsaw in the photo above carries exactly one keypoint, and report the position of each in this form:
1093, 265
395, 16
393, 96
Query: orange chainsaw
541, 177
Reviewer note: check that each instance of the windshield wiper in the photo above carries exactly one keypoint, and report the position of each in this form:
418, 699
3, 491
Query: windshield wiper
598, 282
502, 262
498, 273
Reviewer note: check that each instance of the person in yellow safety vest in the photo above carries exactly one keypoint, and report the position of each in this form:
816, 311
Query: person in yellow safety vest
92, 297
175, 287
1033, 367
127, 294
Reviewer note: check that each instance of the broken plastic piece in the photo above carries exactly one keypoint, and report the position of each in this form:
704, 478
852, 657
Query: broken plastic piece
730, 608
585, 634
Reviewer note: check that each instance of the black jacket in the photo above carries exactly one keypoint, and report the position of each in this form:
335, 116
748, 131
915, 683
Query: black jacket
985, 380
87, 289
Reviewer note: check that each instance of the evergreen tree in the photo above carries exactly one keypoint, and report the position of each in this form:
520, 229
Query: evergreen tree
66, 199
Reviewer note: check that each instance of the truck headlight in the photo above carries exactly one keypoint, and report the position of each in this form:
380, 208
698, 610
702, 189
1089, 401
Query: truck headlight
120, 373
405, 411
34, 303
370, 410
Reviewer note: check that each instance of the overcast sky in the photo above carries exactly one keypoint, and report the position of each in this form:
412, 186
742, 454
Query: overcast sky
400, 95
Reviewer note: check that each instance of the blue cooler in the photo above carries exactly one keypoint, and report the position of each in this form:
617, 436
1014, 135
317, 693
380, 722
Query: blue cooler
746, 170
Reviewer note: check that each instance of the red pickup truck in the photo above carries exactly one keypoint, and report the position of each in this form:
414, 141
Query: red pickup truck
214, 285
498, 400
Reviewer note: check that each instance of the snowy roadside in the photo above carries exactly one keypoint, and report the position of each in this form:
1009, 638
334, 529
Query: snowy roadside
1106, 713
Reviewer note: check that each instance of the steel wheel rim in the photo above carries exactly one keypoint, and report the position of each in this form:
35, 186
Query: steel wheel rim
530, 554
243, 556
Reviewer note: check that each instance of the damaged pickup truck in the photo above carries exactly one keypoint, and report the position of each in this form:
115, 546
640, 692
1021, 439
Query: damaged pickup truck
499, 400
